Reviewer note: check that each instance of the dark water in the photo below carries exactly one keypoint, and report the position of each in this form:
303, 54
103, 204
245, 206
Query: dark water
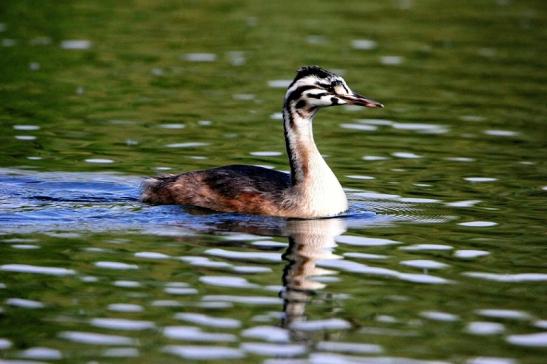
441, 257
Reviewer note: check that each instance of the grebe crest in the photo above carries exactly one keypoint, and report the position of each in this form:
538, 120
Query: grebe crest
311, 190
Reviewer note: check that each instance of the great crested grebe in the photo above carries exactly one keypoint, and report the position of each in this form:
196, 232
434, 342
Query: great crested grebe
310, 191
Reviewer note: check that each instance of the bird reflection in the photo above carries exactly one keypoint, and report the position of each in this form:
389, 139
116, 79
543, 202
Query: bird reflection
309, 241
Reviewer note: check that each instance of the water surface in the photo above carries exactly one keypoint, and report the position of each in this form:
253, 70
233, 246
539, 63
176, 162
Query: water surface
439, 259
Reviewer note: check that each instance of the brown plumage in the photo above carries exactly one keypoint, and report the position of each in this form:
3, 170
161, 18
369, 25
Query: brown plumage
234, 188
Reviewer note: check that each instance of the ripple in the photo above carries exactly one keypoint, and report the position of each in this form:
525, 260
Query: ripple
377, 196
421, 127
250, 300
244, 97
190, 333
25, 137
424, 264
418, 200
121, 353
362, 127
181, 291
251, 269
465, 203
277, 350
166, 303
269, 244
364, 241
99, 161
478, 223
425, 247
391, 60
460, 159
354, 176
41, 353
7, 42
348, 347
121, 324
125, 307
204, 262
520, 277
186, 145
267, 333
115, 265
95, 338
279, 83
236, 58
439, 316
373, 158
25, 246
490, 360
199, 57
26, 127
484, 328
204, 352
480, 179
34, 269
316, 39
126, 284
227, 281
406, 155
76, 44
172, 126
363, 44
24, 303
152, 255
5, 344
354, 267
266, 154
241, 255
470, 254
329, 358
321, 325
532, 340
206, 320
501, 133
365, 256
276, 116
505, 314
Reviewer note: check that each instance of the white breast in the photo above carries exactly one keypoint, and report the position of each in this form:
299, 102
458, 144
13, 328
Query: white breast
321, 193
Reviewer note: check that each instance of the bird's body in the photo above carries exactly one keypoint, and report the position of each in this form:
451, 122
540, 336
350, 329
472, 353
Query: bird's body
311, 190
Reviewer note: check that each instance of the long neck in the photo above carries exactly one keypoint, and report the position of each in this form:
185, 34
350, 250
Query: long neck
315, 188
301, 148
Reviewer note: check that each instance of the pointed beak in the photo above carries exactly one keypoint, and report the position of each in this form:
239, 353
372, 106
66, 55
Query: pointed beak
357, 99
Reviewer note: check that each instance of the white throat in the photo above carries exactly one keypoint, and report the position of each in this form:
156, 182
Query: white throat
316, 189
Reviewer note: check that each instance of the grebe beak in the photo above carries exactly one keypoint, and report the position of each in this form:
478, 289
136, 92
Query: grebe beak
356, 99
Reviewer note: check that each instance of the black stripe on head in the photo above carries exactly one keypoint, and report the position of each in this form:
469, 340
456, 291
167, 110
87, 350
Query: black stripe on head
300, 104
297, 93
318, 96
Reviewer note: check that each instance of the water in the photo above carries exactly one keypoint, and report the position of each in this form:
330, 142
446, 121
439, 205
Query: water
440, 258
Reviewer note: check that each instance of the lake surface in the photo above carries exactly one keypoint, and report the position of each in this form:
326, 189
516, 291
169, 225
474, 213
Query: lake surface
441, 257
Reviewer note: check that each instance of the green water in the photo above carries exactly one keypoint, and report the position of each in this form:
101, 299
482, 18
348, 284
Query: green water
456, 159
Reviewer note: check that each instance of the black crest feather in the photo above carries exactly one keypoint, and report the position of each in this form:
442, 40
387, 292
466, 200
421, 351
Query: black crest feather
313, 71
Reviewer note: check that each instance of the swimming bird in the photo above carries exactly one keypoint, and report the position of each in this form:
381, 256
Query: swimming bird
311, 190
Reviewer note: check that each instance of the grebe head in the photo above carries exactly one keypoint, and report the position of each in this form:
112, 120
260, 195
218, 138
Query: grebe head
314, 87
